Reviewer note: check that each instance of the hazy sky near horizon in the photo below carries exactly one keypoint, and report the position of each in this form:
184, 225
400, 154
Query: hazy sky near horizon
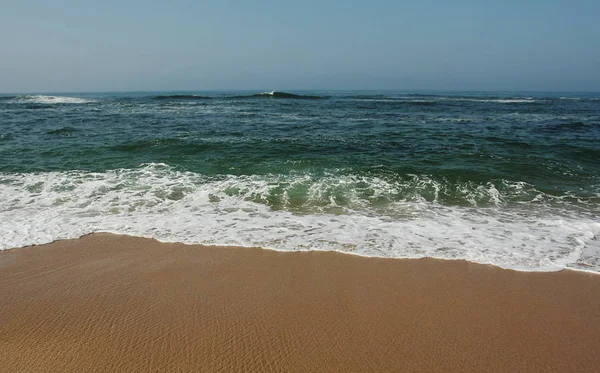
68, 45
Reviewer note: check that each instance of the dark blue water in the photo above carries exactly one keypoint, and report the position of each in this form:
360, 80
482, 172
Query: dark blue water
504, 178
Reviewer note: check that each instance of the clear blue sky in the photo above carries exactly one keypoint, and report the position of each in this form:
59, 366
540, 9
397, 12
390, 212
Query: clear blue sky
109, 45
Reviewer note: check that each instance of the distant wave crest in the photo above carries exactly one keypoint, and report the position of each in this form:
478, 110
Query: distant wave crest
181, 97
273, 94
45, 99
419, 99
277, 94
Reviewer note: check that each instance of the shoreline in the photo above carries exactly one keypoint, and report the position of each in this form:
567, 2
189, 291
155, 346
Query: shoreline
540, 270
106, 302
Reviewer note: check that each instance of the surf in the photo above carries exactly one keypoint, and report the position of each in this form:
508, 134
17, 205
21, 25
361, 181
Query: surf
347, 213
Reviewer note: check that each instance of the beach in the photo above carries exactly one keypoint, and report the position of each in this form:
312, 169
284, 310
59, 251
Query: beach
111, 303
336, 187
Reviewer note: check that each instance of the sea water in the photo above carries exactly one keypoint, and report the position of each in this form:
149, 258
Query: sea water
511, 179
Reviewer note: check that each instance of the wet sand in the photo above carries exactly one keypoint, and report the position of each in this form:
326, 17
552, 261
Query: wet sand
107, 303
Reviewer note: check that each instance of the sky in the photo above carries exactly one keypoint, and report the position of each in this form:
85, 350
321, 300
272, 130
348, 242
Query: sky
135, 45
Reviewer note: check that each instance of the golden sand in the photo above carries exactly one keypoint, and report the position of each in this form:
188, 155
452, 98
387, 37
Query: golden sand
107, 303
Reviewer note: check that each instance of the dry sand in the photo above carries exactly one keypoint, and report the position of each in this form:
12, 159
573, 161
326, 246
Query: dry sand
107, 303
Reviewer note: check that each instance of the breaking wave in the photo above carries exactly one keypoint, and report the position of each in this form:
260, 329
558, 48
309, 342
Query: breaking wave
43, 99
510, 224
276, 94
181, 97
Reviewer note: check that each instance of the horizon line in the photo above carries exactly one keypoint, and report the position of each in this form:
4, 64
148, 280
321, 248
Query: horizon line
301, 90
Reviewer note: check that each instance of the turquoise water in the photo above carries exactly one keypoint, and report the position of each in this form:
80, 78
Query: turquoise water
503, 178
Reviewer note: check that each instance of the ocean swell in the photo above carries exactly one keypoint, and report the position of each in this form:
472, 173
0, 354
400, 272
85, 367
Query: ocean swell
285, 95
181, 97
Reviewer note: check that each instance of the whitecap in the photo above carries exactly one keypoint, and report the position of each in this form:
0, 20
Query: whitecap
44, 99
160, 202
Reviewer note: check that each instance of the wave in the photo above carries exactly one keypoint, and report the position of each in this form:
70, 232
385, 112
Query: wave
148, 143
64, 131
433, 99
49, 100
516, 100
274, 94
510, 224
592, 99
570, 126
367, 97
395, 98
181, 97
574, 126
512, 101
402, 101
286, 95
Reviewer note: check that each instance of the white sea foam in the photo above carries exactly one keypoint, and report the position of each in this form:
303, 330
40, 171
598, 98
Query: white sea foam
399, 100
517, 100
513, 100
581, 98
525, 100
43, 99
157, 201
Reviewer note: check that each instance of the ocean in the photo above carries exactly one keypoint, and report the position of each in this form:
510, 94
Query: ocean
510, 179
